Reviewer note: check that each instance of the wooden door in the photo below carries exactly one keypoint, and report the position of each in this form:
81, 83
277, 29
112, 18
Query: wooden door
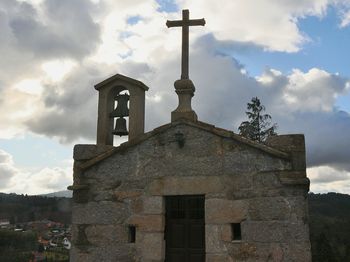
184, 232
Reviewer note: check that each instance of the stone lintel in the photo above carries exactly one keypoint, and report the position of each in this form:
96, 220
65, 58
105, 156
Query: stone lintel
192, 185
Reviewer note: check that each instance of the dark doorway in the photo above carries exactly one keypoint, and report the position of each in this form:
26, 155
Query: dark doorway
184, 232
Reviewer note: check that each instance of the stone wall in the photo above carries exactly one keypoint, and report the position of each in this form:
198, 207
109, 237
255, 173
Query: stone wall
264, 191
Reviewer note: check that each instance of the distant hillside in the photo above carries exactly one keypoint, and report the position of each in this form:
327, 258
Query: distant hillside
24, 208
330, 227
63, 193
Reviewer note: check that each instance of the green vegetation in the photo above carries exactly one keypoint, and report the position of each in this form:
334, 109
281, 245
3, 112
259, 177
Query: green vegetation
17, 246
259, 126
330, 227
24, 208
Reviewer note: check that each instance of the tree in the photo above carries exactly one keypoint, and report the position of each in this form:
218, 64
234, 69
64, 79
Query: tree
259, 126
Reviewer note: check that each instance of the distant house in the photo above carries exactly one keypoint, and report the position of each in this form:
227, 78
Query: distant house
66, 243
4, 223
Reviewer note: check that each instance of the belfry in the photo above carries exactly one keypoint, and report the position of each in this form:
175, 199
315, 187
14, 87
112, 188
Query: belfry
186, 191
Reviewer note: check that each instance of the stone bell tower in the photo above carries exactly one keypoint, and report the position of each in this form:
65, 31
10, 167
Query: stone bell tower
110, 91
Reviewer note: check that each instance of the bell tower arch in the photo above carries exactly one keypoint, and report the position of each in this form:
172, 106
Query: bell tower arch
110, 90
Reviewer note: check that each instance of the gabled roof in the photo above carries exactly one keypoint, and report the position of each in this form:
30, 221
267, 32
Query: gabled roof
201, 125
124, 78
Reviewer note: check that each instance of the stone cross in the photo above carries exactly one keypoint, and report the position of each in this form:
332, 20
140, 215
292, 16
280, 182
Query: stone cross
185, 23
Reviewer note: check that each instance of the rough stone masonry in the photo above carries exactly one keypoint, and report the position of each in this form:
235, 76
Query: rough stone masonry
250, 199
263, 187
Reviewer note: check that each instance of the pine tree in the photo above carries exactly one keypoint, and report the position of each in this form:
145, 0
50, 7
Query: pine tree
259, 126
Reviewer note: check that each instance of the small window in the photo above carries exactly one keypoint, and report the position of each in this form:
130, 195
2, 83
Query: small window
236, 231
132, 234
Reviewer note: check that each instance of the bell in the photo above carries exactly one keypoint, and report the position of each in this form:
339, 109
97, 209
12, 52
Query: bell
120, 127
122, 106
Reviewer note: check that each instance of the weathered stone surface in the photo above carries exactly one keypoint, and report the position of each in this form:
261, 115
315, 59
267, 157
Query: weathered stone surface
153, 205
297, 251
269, 208
150, 246
213, 241
223, 211
226, 232
218, 258
106, 253
260, 187
99, 235
275, 231
86, 152
294, 145
104, 212
121, 195
185, 186
242, 251
148, 223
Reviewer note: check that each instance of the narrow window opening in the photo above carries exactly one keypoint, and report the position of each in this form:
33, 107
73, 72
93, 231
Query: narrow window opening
236, 231
132, 234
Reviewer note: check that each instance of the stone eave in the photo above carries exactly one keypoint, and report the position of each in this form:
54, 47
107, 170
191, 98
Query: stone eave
201, 125
120, 77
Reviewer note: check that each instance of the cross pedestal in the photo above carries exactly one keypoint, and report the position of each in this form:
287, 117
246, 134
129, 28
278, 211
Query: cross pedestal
184, 86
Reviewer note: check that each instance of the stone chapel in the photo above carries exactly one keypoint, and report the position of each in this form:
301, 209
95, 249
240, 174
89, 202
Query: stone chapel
186, 191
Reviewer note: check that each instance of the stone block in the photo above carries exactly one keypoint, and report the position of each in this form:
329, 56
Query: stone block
148, 223
244, 252
193, 185
213, 241
150, 246
293, 144
300, 251
121, 195
226, 233
218, 258
275, 231
287, 143
265, 180
153, 205
222, 211
99, 235
269, 208
103, 212
86, 152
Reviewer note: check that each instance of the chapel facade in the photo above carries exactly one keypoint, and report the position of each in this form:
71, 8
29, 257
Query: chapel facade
187, 190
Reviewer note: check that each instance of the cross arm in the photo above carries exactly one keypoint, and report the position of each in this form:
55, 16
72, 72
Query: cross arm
197, 22
175, 23
178, 23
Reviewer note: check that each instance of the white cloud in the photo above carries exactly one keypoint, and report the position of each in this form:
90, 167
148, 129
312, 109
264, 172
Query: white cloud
312, 91
7, 169
26, 181
345, 19
327, 179
271, 24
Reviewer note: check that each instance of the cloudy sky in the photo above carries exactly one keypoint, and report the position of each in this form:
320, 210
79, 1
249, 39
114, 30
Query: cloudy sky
292, 54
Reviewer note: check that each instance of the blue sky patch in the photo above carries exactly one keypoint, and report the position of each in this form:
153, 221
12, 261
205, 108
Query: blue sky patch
167, 6
133, 20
